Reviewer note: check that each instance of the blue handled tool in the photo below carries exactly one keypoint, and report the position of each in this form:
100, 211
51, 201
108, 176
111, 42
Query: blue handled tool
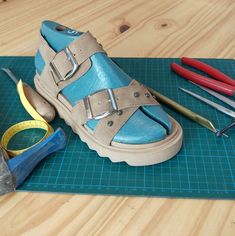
14, 171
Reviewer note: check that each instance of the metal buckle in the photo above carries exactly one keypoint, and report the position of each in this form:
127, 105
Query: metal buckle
111, 100
73, 62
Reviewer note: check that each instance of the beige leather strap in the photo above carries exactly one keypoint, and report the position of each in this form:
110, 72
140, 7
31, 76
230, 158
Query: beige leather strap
129, 96
133, 95
45, 50
81, 49
108, 127
84, 47
128, 99
84, 67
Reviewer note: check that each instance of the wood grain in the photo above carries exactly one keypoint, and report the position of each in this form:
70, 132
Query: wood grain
169, 28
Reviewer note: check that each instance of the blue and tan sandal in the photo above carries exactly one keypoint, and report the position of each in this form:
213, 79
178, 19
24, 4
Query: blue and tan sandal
114, 114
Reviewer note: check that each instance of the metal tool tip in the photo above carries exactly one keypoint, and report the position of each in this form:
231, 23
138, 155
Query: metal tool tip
219, 133
5, 70
10, 74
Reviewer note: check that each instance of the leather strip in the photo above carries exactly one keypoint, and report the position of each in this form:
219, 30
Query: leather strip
109, 126
82, 48
128, 99
49, 79
45, 50
62, 64
133, 95
84, 67
129, 96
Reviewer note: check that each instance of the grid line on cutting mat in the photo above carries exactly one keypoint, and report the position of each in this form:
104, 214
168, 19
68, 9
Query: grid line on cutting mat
204, 168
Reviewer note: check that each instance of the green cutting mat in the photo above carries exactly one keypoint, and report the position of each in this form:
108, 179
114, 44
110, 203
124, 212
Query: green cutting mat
204, 168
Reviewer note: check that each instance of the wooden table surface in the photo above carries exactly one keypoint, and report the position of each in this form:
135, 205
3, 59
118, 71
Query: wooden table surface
137, 28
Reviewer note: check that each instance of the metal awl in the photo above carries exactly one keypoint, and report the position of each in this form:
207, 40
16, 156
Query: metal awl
212, 104
10, 74
222, 98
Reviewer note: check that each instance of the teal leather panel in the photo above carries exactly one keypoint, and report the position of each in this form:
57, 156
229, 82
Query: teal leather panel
104, 73
157, 114
140, 129
39, 62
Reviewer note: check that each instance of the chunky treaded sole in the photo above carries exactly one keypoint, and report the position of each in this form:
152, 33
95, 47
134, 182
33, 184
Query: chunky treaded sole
134, 155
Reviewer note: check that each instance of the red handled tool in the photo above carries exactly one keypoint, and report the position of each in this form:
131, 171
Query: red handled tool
223, 84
